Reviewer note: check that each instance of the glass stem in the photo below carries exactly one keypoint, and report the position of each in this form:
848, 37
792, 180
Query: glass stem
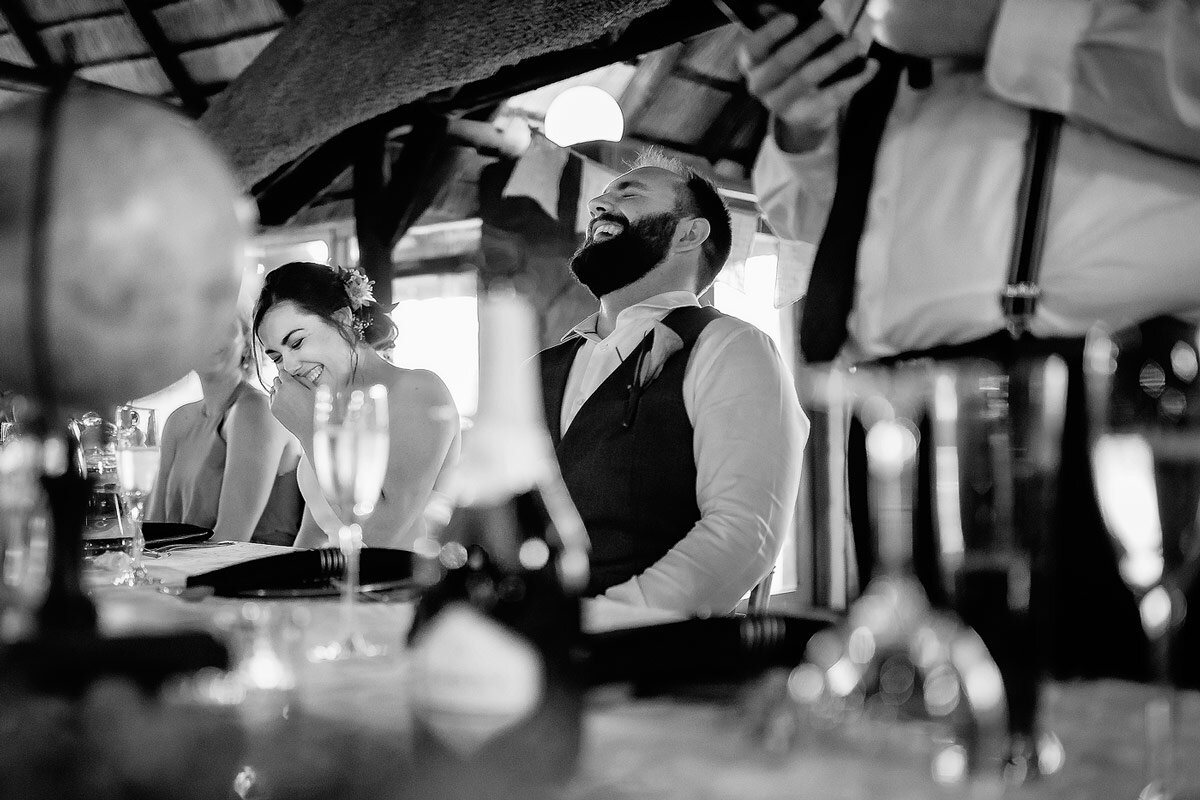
1162, 710
348, 538
139, 541
1162, 714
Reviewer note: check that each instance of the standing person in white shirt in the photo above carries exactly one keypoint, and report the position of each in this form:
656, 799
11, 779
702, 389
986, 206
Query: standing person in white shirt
677, 428
1121, 242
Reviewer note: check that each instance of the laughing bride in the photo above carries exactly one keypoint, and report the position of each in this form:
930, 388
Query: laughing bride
322, 327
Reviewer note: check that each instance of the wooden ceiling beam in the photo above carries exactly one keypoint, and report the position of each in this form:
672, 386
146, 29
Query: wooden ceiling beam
653, 69
741, 108
414, 177
26, 31
374, 252
390, 196
694, 75
287, 190
20, 78
190, 94
210, 42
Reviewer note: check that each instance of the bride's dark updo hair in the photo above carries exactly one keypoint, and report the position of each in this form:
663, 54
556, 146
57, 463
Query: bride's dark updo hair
322, 290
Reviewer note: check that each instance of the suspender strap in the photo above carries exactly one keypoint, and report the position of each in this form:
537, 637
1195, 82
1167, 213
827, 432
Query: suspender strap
1019, 298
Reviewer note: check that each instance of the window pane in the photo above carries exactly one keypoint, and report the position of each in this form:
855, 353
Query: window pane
754, 302
269, 255
439, 329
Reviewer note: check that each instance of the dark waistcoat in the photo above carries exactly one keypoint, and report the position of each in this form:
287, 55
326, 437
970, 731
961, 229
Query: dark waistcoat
627, 457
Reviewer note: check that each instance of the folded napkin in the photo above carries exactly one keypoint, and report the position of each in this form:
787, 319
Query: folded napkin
302, 570
662, 657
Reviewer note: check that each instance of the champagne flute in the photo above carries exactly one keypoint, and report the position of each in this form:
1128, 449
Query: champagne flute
1143, 397
350, 458
137, 469
24, 529
893, 639
996, 434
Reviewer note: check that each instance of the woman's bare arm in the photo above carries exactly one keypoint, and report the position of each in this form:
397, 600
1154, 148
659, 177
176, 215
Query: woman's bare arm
156, 508
423, 427
255, 444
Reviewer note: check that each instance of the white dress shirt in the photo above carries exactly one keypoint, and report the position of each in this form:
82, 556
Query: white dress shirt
1123, 240
748, 441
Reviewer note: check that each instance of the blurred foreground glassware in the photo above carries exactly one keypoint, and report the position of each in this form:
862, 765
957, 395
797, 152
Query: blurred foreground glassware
1143, 398
97, 458
895, 660
137, 469
495, 679
825, 395
350, 458
24, 534
996, 448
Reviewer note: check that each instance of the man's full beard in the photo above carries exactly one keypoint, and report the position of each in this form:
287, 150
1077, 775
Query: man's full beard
603, 267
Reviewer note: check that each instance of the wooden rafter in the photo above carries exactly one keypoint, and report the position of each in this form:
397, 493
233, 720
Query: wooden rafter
652, 71
410, 188
390, 197
189, 92
240, 35
374, 253
704, 79
715, 142
284, 192
20, 78
26, 31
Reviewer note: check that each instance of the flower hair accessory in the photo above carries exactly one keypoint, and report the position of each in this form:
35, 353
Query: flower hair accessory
358, 287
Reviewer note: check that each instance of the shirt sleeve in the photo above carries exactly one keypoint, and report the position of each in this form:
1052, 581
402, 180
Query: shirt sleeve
749, 437
1131, 69
795, 190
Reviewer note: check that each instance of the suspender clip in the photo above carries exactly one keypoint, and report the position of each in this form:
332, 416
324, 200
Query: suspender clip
1018, 301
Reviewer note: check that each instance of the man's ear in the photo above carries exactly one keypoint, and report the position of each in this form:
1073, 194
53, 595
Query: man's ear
344, 316
690, 234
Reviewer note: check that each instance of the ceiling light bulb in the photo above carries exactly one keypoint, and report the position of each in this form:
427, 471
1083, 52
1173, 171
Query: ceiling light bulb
584, 114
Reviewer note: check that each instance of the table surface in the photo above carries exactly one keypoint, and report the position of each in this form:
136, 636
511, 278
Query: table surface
348, 720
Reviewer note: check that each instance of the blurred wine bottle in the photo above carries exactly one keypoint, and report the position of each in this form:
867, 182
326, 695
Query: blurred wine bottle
496, 690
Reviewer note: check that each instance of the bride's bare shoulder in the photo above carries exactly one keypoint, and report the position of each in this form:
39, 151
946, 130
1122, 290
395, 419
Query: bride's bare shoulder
419, 386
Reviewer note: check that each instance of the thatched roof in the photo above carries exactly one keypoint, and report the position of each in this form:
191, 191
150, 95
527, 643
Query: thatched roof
285, 86
380, 55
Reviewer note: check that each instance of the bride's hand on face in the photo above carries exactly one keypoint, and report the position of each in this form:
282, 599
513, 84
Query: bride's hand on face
292, 404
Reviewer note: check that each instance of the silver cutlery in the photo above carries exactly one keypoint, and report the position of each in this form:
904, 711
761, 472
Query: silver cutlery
173, 548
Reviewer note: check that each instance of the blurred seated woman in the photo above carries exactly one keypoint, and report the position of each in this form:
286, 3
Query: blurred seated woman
227, 463
322, 326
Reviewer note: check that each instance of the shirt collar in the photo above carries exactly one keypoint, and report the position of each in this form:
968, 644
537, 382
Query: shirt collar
650, 307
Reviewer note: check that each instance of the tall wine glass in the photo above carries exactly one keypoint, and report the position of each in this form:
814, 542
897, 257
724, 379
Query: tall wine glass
350, 458
996, 443
137, 469
893, 640
1143, 394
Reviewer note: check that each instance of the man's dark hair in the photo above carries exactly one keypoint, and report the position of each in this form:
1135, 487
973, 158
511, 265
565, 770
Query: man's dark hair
698, 199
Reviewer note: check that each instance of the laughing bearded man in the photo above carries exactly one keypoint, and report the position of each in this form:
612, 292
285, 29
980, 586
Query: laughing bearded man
677, 427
